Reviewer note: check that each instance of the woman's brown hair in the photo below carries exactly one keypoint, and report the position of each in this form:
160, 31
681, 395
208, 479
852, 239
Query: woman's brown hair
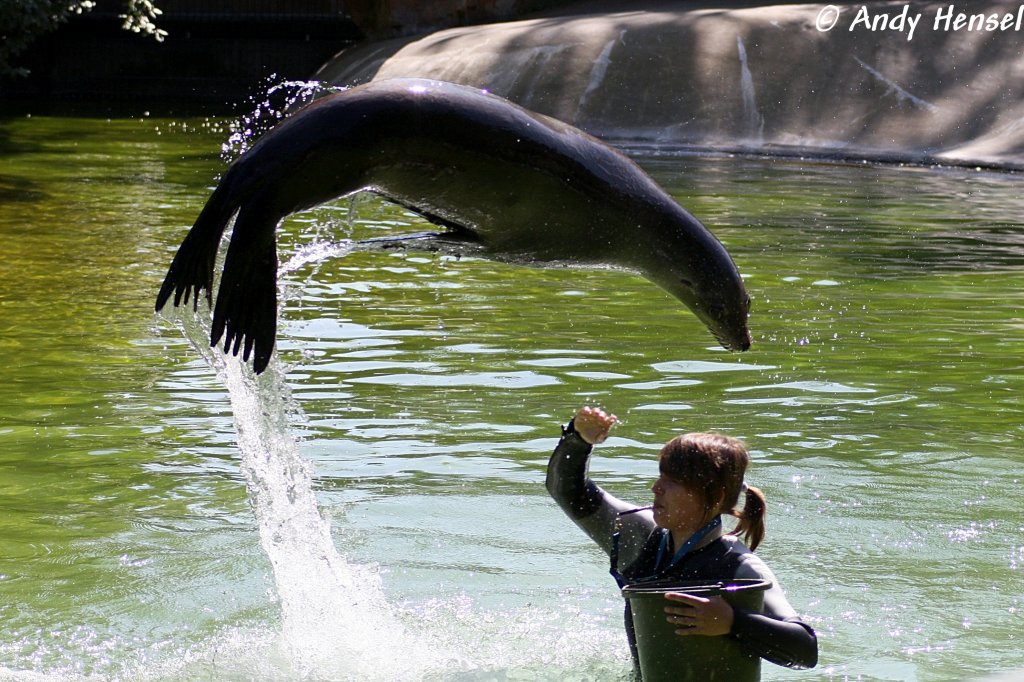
713, 466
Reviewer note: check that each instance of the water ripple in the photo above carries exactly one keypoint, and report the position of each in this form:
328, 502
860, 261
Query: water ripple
809, 386
503, 380
703, 366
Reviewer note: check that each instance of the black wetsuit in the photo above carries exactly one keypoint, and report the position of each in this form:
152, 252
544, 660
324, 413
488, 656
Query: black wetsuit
776, 635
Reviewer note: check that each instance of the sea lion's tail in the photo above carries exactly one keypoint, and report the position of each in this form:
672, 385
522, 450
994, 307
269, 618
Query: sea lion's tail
191, 271
246, 310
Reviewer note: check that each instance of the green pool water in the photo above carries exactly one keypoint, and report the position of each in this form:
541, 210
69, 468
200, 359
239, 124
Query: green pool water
881, 401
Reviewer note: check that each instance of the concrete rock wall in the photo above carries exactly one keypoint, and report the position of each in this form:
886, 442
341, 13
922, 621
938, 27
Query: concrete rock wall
758, 78
387, 18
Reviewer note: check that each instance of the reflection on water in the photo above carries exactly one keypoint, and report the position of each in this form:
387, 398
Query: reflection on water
881, 401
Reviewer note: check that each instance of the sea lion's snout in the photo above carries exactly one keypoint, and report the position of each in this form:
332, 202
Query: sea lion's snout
740, 344
732, 321
733, 336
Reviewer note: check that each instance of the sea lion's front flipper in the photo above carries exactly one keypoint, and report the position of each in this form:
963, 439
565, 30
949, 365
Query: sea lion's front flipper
455, 240
450, 243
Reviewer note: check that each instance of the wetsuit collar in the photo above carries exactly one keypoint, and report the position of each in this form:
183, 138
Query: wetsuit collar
687, 547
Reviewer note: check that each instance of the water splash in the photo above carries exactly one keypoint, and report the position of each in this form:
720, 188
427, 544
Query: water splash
336, 622
316, 252
335, 616
270, 108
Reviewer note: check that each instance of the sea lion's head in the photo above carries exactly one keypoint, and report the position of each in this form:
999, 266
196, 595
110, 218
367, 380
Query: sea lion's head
687, 261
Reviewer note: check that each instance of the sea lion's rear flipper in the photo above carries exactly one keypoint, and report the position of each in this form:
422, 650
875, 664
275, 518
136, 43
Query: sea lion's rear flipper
191, 271
246, 310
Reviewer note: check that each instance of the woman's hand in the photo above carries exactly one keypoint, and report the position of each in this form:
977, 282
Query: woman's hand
593, 424
694, 615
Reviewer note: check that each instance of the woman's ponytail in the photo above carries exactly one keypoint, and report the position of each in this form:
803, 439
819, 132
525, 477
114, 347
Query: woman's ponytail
751, 525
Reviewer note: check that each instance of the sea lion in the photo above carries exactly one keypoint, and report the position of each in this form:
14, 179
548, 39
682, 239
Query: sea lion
519, 186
